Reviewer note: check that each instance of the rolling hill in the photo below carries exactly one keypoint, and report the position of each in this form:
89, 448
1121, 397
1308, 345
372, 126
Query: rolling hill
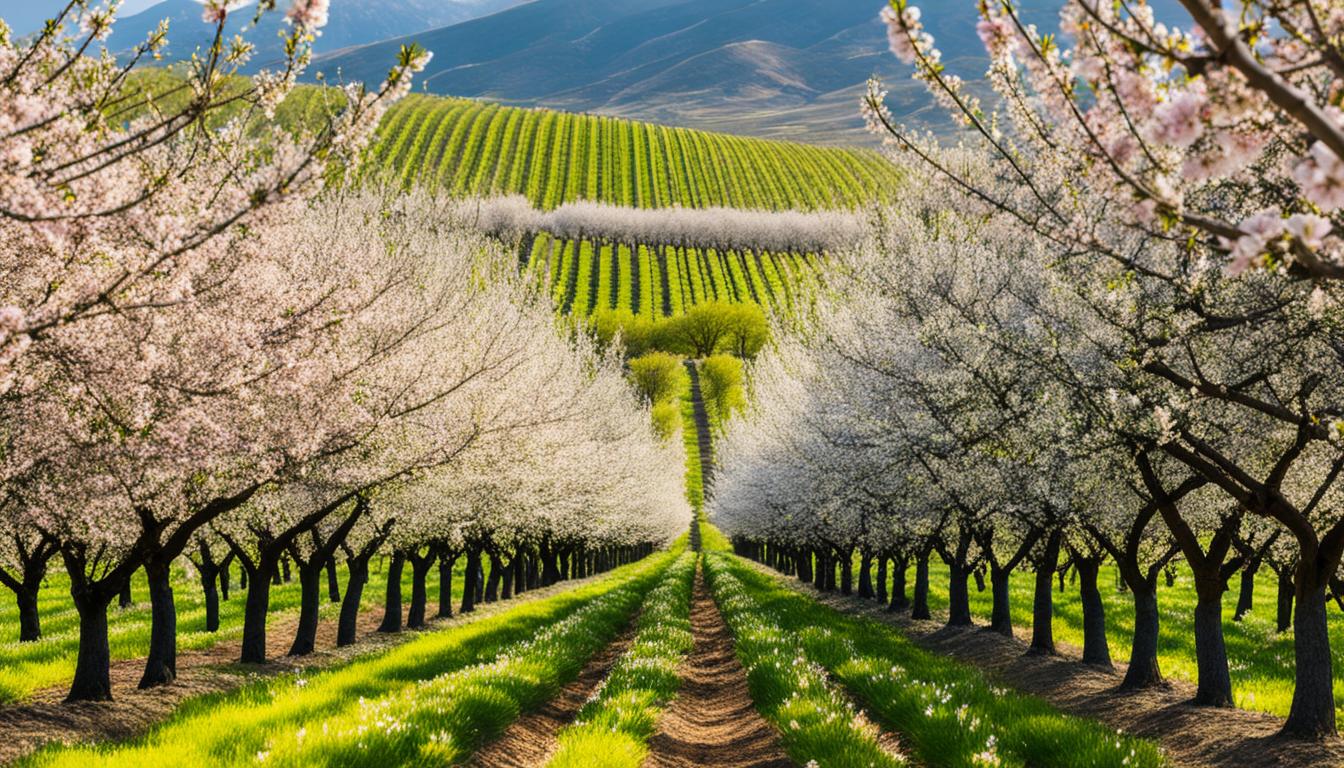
777, 68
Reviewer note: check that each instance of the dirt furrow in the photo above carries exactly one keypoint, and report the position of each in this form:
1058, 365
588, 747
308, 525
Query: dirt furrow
712, 722
530, 740
1196, 737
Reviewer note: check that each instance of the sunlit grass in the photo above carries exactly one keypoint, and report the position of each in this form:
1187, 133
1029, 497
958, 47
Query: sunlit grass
945, 712
1260, 659
28, 667
815, 719
428, 701
614, 727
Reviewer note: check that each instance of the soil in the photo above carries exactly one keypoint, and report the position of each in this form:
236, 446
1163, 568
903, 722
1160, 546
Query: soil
44, 717
712, 722
531, 739
1197, 737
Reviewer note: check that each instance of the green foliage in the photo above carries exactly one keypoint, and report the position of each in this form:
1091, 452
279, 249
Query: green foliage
613, 728
667, 419
721, 387
659, 376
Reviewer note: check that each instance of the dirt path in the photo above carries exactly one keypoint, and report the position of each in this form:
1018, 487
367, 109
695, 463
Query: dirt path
44, 718
1197, 737
530, 740
712, 721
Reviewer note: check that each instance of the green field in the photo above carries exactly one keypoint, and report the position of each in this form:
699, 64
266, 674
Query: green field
478, 148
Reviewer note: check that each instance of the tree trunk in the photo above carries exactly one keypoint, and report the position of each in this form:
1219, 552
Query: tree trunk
30, 622
899, 602
1096, 648
1143, 669
1043, 604
333, 583
254, 614
124, 598
492, 581
420, 566
1286, 592
347, 630
92, 681
866, 576
1215, 683
446, 564
920, 607
310, 598
847, 573
470, 581
1246, 594
958, 596
819, 573
1313, 712
1001, 617
881, 592
161, 663
392, 600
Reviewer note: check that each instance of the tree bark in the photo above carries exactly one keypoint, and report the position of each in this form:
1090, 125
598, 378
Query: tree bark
1043, 605
30, 621
161, 663
847, 572
492, 581
333, 583
420, 565
124, 598
866, 576
310, 598
1143, 668
254, 613
881, 592
1001, 617
92, 680
1096, 648
392, 599
920, 608
1312, 715
1215, 683
958, 595
347, 629
1287, 590
469, 582
899, 601
446, 563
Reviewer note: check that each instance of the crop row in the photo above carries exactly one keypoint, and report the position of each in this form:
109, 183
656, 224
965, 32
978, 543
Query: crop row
433, 700
945, 714
478, 148
662, 281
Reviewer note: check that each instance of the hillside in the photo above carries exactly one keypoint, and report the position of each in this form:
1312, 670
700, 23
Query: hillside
776, 68
474, 148
351, 23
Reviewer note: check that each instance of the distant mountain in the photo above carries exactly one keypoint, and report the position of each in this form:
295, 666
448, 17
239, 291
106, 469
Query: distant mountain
781, 68
30, 15
351, 23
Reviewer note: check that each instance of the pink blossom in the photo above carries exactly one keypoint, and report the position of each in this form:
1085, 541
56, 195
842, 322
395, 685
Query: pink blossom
1178, 119
309, 14
996, 33
214, 11
901, 32
1309, 229
1321, 176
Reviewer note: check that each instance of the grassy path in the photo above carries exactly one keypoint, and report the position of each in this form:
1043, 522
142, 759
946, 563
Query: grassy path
1190, 736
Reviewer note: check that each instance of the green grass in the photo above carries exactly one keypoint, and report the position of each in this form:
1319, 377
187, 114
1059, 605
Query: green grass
28, 667
429, 701
815, 719
613, 728
695, 489
946, 713
1260, 658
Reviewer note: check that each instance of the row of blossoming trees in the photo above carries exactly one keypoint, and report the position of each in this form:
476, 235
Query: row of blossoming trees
208, 350
1121, 341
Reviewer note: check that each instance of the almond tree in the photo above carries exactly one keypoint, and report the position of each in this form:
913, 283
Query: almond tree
1158, 163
